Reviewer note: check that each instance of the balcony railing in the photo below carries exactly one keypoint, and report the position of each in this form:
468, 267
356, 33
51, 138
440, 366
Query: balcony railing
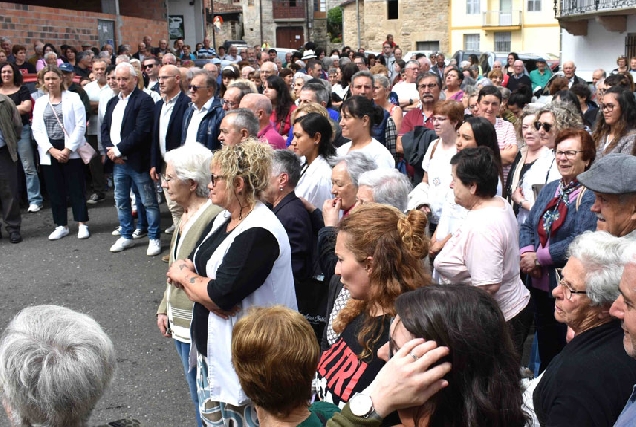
581, 7
497, 18
289, 9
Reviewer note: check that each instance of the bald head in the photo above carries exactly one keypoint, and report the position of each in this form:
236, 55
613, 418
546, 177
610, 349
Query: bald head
212, 69
517, 66
260, 105
569, 69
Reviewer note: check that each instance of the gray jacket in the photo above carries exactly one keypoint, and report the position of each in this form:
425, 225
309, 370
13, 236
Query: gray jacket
10, 124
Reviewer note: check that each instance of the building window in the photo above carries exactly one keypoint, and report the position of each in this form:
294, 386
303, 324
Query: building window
534, 5
427, 45
503, 42
392, 9
471, 41
292, 3
472, 7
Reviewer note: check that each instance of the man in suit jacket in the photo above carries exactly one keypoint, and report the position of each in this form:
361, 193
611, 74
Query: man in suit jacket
166, 133
126, 136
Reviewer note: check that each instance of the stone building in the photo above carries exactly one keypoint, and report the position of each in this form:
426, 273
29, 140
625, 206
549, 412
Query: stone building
415, 24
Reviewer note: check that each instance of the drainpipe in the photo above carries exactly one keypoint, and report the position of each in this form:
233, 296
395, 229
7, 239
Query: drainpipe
118, 25
358, 19
260, 11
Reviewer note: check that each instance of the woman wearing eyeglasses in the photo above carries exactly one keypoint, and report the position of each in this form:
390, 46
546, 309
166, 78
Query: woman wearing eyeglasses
587, 287
615, 131
243, 261
560, 213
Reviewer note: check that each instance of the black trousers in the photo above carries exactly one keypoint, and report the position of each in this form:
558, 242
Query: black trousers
66, 181
9, 200
520, 327
98, 180
550, 333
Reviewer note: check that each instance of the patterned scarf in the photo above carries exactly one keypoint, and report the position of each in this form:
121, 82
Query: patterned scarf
556, 211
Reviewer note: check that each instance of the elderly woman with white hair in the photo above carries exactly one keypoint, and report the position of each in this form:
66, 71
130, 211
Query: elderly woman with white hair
590, 380
299, 81
55, 365
185, 181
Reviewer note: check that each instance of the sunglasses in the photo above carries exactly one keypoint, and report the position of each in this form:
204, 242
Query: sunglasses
546, 126
149, 66
194, 88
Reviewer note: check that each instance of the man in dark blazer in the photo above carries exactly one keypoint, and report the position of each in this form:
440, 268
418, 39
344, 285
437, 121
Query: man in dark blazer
167, 129
127, 136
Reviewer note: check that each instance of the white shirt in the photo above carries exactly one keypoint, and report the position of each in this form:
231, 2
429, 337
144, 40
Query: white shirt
405, 91
116, 121
314, 184
439, 176
94, 91
195, 121
164, 120
104, 97
375, 150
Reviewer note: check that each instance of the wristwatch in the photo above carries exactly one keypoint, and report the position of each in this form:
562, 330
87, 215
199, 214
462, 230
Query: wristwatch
411, 101
362, 406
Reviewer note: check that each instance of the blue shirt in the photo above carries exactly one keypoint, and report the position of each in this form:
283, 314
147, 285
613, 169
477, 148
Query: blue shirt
206, 53
628, 416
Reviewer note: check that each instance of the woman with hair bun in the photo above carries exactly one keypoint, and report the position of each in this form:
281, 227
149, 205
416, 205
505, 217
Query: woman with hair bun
358, 116
380, 253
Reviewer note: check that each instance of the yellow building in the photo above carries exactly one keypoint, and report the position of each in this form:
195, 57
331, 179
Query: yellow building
504, 26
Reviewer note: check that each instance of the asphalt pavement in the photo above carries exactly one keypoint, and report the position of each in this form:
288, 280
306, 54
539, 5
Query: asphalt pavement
120, 290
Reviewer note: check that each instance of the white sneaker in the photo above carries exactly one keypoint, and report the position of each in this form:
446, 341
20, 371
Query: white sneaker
170, 229
82, 232
121, 244
34, 208
154, 247
139, 233
116, 232
58, 233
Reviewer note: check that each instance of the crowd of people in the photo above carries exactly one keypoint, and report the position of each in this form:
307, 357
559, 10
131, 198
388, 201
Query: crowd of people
356, 240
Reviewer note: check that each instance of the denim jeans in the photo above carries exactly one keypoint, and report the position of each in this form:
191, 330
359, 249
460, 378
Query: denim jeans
27, 157
184, 353
142, 221
123, 177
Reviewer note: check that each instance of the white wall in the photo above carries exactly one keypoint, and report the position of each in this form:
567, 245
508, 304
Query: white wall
599, 49
193, 19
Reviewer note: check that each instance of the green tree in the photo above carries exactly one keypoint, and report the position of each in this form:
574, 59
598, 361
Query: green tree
334, 23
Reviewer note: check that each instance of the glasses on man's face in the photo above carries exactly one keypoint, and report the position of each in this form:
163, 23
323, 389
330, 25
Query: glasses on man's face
228, 102
429, 86
569, 154
567, 290
194, 88
149, 66
608, 107
214, 179
546, 126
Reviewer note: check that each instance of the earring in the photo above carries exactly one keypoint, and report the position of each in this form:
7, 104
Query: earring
280, 188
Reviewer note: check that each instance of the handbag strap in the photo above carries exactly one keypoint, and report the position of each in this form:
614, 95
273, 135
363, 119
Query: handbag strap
57, 117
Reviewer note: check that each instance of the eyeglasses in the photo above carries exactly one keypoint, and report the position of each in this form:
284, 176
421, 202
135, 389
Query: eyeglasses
570, 154
165, 77
546, 126
567, 290
149, 66
429, 86
194, 88
228, 102
608, 107
215, 178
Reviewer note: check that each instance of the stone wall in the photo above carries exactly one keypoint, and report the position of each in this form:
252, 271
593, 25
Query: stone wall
418, 20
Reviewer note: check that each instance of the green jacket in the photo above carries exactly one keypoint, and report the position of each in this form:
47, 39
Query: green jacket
347, 419
11, 125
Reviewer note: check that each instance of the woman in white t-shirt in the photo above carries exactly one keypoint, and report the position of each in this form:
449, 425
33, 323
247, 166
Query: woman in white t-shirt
358, 116
447, 117
484, 251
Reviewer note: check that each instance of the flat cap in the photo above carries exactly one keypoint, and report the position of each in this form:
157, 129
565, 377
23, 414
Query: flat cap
613, 174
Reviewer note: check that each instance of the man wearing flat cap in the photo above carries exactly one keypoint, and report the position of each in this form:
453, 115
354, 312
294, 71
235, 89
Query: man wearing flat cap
613, 181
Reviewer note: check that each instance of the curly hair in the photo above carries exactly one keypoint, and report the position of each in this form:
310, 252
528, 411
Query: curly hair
251, 161
565, 115
396, 244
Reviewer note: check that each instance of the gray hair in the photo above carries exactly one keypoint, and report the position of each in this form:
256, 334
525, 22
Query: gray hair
383, 80
301, 75
122, 59
195, 71
600, 254
192, 162
169, 55
565, 115
128, 67
48, 55
505, 92
389, 186
327, 62
363, 74
285, 161
83, 54
244, 118
244, 85
319, 90
356, 164
344, 61
271, 65
104, 55
55, 364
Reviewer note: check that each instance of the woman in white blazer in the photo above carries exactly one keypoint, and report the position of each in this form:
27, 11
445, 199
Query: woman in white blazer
59, 124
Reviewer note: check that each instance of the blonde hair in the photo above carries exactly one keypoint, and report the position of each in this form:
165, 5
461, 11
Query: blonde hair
313, 107
251, 160
51, 69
